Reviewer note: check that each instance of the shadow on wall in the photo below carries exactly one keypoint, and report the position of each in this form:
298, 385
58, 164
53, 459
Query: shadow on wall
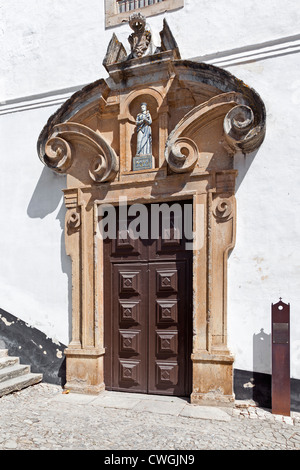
45, 200
242, 163
262, 352
256, 385
31, 345
262, 367
33, 348
66, 264
47, 194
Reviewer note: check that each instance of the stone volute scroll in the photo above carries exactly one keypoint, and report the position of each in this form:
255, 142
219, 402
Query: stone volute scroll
243, 129
73, 220
240, 129
223, 209
61, 147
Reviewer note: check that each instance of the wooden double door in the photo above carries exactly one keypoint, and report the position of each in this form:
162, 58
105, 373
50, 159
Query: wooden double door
148, 312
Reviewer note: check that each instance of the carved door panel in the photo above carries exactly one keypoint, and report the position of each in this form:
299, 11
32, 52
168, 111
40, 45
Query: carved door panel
147, 314
125, 306
169, 345
130, 304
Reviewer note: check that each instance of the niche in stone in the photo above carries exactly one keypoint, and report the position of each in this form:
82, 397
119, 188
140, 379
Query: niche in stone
143, 159
144, 132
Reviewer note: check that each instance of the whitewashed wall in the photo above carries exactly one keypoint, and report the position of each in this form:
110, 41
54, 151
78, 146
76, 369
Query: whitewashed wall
265, 263
34, 268
50, 48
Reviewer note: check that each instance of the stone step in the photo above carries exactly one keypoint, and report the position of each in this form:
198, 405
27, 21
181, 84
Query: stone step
18, 383
8, 361
15, 376
10, 372
3, 352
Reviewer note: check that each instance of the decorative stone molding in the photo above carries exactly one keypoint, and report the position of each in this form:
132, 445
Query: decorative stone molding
223, 209
240, 130
73, 219
59, 156
122, 67
182, 155
201, 117
83, 102
115, 53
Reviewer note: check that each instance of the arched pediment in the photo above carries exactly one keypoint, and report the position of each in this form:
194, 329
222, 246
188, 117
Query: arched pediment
192, 104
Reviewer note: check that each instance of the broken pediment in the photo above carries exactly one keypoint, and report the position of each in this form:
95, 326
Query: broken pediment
200, 115
141, 43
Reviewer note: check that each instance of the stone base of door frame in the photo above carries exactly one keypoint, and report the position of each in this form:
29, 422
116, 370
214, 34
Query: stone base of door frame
212, 379
85, 371
212, 376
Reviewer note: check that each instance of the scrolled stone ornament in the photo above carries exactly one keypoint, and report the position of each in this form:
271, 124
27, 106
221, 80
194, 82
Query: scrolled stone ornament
66, 137
98, 168
182, 155
73, 220
240, 129
223, 209
58, 154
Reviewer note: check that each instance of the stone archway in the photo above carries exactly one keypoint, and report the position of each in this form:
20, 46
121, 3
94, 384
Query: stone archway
203, 116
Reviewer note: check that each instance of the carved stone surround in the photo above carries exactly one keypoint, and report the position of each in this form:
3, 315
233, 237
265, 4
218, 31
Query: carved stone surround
202, 116
113, 17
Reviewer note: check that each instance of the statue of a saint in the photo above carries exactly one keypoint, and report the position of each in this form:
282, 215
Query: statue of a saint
144, 135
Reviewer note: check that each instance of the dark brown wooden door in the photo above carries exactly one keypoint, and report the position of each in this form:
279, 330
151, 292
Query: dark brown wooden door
148, 317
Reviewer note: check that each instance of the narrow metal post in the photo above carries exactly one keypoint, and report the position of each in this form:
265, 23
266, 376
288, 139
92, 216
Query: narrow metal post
281, 393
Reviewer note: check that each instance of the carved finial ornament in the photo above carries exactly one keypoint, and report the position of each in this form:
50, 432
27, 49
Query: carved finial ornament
140, 39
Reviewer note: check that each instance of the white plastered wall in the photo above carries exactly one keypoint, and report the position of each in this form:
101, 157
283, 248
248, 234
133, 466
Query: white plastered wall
34, 272
265, 263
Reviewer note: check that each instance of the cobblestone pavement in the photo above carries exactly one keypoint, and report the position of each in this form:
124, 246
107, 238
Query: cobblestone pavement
42, 417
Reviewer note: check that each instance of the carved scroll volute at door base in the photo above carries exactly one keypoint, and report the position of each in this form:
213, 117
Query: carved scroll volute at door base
73, 220
222, 209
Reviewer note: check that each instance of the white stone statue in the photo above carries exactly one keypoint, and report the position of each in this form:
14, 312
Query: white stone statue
144, 134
